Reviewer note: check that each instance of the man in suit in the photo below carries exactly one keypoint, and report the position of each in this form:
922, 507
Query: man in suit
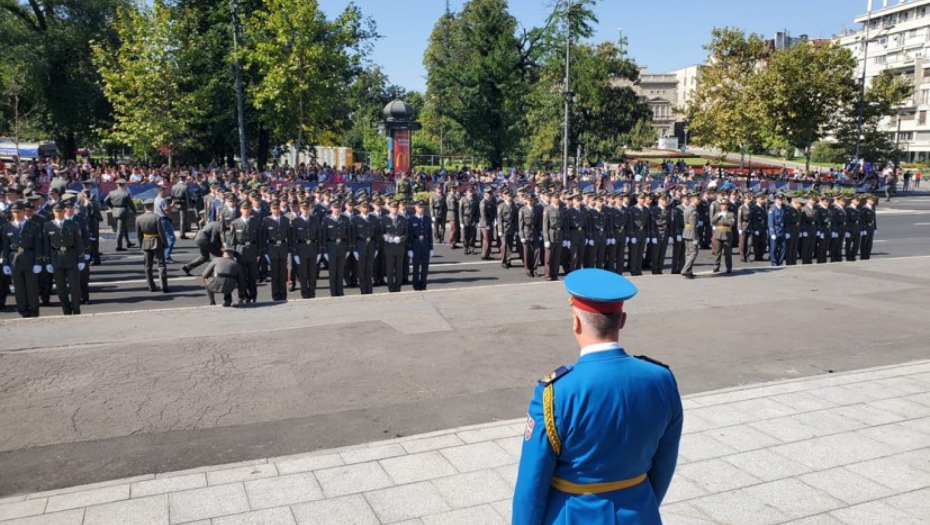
223, 275
151, 235
64, 249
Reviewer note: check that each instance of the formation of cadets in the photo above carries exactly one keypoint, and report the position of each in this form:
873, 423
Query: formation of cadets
291, 236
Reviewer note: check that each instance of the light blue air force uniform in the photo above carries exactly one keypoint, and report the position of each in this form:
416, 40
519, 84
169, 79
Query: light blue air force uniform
617, 418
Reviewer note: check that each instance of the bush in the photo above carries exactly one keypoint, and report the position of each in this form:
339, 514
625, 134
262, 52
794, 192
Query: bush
827, 153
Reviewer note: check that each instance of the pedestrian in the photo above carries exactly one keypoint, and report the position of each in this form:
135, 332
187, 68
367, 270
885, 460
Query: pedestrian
119, 201
601, 438
223, 275
421, 245
22, 253
163, 209
64, 252
151, 234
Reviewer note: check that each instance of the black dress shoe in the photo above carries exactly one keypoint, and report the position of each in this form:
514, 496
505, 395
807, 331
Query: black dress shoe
130, 245
186, 270
212, 303
689, 275
122, 250
165, 290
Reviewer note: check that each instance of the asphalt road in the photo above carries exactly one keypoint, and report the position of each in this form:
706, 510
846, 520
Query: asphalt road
119, 284
97, 397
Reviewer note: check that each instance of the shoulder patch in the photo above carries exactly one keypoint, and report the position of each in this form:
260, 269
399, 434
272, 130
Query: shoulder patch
653, 361
554, 376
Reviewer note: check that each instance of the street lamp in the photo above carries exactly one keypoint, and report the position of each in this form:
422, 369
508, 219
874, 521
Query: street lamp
240, 105
568, 95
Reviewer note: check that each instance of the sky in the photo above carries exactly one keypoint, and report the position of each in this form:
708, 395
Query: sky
663, 34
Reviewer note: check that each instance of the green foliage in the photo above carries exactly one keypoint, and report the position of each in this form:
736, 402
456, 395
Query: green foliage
642, 136
828, 153
882, 98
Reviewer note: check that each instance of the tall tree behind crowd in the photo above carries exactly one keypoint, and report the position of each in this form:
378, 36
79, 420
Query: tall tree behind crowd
882, 99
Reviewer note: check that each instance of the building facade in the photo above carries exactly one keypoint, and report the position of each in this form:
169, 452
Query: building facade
896, 36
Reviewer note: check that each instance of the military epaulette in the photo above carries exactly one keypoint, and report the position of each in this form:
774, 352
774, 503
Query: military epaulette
653, 361
554, 376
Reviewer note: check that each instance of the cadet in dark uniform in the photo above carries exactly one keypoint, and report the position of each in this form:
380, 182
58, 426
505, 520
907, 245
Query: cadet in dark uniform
209, 241
601, 438
246, 236
690, 235
793, 216
577, 233
507, 219
838, 227
675, 231
336, 237
95, 217
777, 231
365, 228
119, 201
757, 226
722, 223
824, 231
181, 196
308, 235
151, 235
64, 249
487, 218
224, 276
468, 213
529, 226
869, 225
639, 222
808, 230
279, 244
661, 221
553, 231
438, 209
21, 254
853, 229
395, 229
452, 207
744, 223
421, 245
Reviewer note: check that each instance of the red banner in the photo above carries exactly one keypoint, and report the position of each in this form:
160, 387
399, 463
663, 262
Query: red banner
401, 151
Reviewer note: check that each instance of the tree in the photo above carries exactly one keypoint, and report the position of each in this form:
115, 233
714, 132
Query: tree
802, 90
143, 78
881, 100
642, 136
305, 64
725, 110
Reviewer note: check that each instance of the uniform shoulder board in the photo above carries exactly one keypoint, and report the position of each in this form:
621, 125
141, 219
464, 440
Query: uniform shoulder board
653, 361
554, 376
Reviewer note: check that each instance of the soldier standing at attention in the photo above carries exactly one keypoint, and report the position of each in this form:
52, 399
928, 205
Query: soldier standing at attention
245, 235
468, 213
853, 229
487, 213
599, 227
690, 235
507, 219
421, 245
777, 232
180, 194
838, 227
394, 226
364, 245
64, 249
577, 233
308, 234
530, 230
661, 222
757, 223
793, 216
675, 231
279, 243
151, 235
722, 223
744, 227
452, 214
21, 255
119, 201
808, 230
438, 209
639, 222
601, 438
869, 225
553, 231
223, 275
336, 236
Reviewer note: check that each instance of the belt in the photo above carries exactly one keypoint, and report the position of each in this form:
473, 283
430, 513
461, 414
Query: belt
24, 250
64, 249
595, 488
247, 243
721, 227
227, 275
149, 235
278, 243
421, 237
687, 225
308, 241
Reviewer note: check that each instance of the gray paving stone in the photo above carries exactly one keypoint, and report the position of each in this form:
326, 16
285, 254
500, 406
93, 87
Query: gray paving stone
920, 425
309, 463
762, 408
416, 521
899, 435
417, 467
508, 473
908, 385
350, 510
152, 510
893, 472
486, 434
474, 488
916, 503
349, 479
684, 513
483, 515
846, 485
683, 489
716, 475
235, 475
695, 423
68, 517
722, 416
766, 465
74, 500
844, 395
278, 516
505, 509
793, 498
478, 456
162, 486
785, 429
867, 414
833, 451
406, 502
513, 445
209, 502
803, 401
820, 519
743, 438
876, 390
283, 490
919, 459
12, 499
923, 399
211, 468
902, 407
90, 486
875, 513
740, 507
829, 421
701, 446
22, 509
433, 443
372, 453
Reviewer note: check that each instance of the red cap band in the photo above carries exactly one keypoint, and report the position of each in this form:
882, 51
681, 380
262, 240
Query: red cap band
596, 307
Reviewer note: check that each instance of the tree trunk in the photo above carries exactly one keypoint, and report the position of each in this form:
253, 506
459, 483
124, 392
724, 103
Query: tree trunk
264, 146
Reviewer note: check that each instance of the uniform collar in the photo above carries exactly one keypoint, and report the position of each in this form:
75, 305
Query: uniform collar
600, 347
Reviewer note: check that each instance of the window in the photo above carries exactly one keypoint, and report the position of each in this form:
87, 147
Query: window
921, 12
905, 15
925, 96
906, 135
879, 60
922, 118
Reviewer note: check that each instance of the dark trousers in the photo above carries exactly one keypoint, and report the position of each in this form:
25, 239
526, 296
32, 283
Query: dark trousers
68, 283
227, 297
184, 222
336, 254
723, 249
852, 245
508, 246
554, 258
866, 246
420, 265
46, 280
636, 255
577, 249
822, 246
791, 249
807, 247
366, 264
777, 250
758, 245
26, 288
205, 253
487, 240
836, 247
4, 289
659, 252
530, 248
122, 232
249, 270
351, 271
151, 258
379, 271
470, 233
678, 256
745, 240
439, 229
306, 273
278, 269
394, 262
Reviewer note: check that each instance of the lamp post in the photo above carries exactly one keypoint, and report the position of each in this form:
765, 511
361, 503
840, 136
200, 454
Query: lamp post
865, 62
240, 105
567, 94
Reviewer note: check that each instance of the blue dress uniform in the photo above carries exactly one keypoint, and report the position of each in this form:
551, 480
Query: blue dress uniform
601, 439
777, 232
421, 246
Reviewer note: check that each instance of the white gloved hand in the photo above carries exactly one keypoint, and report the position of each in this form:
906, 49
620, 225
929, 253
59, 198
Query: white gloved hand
376, 253
700, 223
37, 269
787, 236
355, 254
862, 233
431, 254
626, 240
81, 267
848, 235
397, 240
773, 237
671, 240
49, 269
267, 259
679, 238
92, 239
523, 240
323, 256
755, 232
568, 244
548, 244
7, 270
632, 240
876, 230
740, 231
296, 259
655, 241
410, 254
834, 235
86, 256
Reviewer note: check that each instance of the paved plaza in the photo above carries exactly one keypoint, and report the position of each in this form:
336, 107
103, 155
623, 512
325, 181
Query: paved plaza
849, 448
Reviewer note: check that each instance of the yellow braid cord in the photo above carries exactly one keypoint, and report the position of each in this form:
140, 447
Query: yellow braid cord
549, 417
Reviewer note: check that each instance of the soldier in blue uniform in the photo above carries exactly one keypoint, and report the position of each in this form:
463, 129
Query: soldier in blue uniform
777, 231
421, 244
601, 438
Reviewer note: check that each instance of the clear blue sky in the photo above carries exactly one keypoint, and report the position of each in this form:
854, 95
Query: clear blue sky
663, 34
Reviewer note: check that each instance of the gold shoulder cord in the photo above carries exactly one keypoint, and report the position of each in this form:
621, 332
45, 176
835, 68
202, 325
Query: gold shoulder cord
549, 417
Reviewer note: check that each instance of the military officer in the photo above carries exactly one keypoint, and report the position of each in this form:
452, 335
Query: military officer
793, 219
95, 217
675, 230
279, 244
638, 225
601, 438
468, 214
757, 226
808, 230
119, 201
869, 225
853, 228
577, 232
822, 220
438, 209
421, 245
487, 220
21, 254
64, 249
553, 231
661, 222
336, 227
722, 223
529, 226
209, 242
690, 235
777, 231
838, 227
744, 222
151, 235
180, 195
223, 275
246, 236
363, 243
395, 234
507, 219
308, 235
452, 215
